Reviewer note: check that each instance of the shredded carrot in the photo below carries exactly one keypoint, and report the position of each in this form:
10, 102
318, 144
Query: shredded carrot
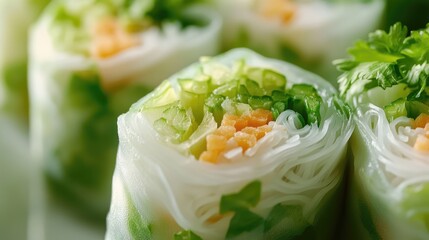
245, 140
249, 130
246, 130
227, 131
422, 143
281, 9
421, 121
262, 130
215, 218
109, 38
260, 117
242, 122
229, 120
209, 156
216, 143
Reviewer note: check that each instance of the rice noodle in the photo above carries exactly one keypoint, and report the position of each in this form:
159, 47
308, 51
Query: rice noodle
296, 165
400, 160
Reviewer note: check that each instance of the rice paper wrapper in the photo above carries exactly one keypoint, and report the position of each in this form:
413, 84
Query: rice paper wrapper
315, 34
292, 185
75, 101
390, 180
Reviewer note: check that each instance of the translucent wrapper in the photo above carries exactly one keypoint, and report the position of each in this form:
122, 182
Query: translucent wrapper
388, 89
15, 20
391, 181
75, 99
310, 34
291, 177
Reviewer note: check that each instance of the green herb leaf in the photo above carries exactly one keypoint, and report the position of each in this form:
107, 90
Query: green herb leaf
385, 60
243, 221
139, 229
285, 222
247, 198
186, 235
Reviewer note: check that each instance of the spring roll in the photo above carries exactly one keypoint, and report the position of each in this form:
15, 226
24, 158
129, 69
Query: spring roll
90, 60
15, 20
232, 147
386, 81
308, 33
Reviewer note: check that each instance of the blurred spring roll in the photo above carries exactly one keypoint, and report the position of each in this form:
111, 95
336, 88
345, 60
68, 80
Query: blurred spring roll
15, 20
90, 60
309, 33
233, 147
386, 80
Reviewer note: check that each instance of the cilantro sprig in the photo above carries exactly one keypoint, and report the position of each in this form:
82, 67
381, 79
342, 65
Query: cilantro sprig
386, 59
397, 62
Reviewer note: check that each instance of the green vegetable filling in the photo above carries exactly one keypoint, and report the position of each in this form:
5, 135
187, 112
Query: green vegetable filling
283, 221
70, 23
217, 89
386, 60
186, 235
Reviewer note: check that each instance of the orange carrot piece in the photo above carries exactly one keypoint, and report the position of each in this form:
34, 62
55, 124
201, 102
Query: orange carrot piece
229, 120
216, 143
262, 130
209, 156
422, 144
245, 140
226, 131
260, 117
421, 121
249, 130
242, 122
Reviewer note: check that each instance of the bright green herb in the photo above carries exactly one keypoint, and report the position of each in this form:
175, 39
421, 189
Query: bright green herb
240, 203
285, 219
186, 235
385, 60
243, 221
247, 198
139, 229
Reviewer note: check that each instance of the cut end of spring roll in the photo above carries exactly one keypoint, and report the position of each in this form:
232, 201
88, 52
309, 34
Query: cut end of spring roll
385, 80
89, 61
236, 145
